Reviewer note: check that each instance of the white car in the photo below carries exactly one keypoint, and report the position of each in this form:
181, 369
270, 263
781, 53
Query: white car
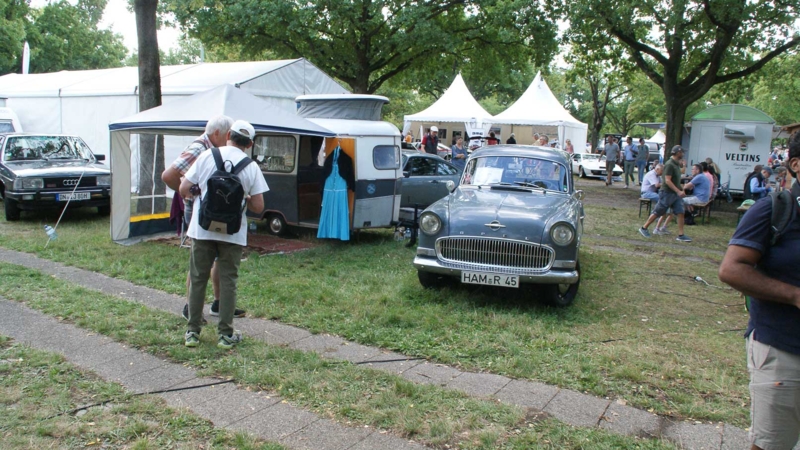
592, 165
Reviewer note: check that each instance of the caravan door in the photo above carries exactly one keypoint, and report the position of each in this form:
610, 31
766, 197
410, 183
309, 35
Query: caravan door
276, 156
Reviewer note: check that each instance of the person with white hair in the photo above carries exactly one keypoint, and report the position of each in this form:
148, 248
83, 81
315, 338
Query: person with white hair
216, 135
511, 140
431, 141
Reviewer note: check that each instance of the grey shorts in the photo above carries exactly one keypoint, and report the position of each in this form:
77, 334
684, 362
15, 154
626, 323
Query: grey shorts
774, 396
610, 165
667, 200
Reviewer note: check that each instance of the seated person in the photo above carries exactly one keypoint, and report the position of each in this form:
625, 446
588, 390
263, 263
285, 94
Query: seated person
652, 182
700, 186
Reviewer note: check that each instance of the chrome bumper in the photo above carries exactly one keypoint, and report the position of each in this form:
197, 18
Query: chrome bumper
428, 264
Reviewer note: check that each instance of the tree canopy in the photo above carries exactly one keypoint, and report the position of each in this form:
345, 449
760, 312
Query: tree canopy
13, 18
366, 43
686, 47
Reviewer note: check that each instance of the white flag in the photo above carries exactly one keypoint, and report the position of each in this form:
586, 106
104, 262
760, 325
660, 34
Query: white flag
26, 58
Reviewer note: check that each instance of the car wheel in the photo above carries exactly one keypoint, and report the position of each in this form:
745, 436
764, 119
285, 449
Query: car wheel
12, 209
428, 280
583, 172
276, 224
562, 295
104, 210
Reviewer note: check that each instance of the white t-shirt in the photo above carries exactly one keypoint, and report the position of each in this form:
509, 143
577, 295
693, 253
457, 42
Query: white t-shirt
252, 180
650, 182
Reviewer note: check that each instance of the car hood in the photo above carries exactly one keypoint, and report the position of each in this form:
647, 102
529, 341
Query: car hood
524, 213
56, 168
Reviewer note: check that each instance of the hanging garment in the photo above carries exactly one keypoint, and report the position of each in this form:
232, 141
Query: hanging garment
334, 222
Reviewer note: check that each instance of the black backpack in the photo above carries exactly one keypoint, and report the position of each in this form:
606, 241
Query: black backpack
782, 213
222, 207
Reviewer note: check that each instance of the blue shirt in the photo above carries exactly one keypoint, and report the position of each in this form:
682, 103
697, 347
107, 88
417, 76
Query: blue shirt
702, 188
759, 189
630, 152
774, 324
458, 162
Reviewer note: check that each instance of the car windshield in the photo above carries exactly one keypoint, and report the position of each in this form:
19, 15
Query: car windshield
516, 171
27, 148
591, 157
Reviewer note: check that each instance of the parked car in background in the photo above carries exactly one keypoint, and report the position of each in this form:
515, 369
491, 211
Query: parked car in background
592, 165
46, 171
9, 123
425, 179
515, 219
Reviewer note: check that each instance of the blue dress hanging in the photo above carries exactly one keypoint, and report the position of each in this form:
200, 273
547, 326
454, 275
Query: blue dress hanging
334, 222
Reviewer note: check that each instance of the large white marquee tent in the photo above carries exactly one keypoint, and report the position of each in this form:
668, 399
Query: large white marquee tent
85, 102
180, 122
538, 108
456, 110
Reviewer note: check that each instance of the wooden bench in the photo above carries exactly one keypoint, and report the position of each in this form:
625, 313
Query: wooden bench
705, 210
645, 202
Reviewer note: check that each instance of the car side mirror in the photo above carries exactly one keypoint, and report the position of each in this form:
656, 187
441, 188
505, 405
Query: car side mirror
579, 195
100, 157
451, 186
406, 174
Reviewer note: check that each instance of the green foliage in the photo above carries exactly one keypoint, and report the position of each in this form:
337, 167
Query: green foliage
12, 34
776, 91
686, 46
364, 43
63, 36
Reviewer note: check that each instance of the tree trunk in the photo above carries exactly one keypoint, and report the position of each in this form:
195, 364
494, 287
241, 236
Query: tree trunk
676, 112
151, 148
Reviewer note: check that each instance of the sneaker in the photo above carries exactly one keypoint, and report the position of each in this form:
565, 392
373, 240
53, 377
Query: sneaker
228, 342
683, 238
191, 339
663, 231
238, 313
626, 187
643, 231
185, 315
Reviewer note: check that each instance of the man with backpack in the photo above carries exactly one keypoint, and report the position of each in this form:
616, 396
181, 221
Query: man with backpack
216, 135
227, 181
762, 262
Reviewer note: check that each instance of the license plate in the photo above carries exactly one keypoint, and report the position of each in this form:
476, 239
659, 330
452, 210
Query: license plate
490, 279
75, 196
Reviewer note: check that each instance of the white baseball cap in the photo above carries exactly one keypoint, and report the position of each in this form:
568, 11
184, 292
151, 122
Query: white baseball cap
244, 128
434, 129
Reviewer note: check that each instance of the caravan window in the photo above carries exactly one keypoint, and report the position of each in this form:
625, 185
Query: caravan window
386, 157
6, 127
275, 153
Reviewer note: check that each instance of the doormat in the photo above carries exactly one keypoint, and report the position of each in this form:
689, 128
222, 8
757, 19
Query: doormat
263, 244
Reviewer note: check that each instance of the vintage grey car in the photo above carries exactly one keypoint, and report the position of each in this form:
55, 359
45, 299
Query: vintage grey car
39, 171
514, 219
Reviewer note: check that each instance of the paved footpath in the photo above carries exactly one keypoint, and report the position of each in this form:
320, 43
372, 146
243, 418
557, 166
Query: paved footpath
569, 406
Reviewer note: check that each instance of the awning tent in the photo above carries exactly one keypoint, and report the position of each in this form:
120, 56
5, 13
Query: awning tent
85, 102
536, 108
180, 122
659, 137
455, 110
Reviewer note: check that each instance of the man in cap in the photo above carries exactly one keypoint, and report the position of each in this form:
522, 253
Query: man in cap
432, 141
215, 136
670, 196
764, 267
208, 245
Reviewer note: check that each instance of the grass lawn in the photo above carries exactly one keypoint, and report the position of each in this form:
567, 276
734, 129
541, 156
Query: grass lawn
641, 329
349, 393
36, 386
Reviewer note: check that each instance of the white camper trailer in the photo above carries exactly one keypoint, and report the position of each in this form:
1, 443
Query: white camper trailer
736, 137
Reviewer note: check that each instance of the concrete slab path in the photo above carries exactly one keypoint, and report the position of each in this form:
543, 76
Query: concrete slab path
262, 414
571, 407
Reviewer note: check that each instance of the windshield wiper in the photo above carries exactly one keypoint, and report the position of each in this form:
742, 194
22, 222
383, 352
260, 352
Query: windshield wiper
530, 185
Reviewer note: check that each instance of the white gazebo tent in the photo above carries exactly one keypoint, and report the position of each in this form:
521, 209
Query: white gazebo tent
456, 110
180, 122
538, 110
84, 102
658, 137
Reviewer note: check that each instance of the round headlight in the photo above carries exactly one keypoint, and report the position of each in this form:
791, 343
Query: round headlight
562, 234
430, 223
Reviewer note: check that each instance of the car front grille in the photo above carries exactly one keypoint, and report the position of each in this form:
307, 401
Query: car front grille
69, 183
497, 255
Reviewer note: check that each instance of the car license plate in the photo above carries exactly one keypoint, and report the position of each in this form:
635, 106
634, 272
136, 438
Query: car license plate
75, 196
490, 279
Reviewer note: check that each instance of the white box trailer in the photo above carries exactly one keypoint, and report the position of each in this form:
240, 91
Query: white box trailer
736, 137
